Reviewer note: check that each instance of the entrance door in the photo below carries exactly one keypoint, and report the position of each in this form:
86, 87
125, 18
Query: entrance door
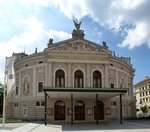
59, 110
79, 110
99, 115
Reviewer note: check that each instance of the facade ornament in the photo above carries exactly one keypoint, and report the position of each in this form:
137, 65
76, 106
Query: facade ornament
26, 86
77, 32
50, 42
36, 50
105, 44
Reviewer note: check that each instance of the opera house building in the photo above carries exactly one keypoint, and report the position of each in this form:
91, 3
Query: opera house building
71, 81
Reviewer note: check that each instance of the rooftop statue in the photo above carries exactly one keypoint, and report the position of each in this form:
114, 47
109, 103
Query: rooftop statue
77, 32
77, 24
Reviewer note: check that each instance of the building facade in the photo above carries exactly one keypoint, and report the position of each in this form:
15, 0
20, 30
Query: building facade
142, 89
81, 80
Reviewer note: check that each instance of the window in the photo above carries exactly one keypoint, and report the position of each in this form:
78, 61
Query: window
11, 76
40, 86
140, 94
112, 85
146, 93
16, 90
78, 79
37, 103
97, 81
40, 62
16, 105
60, 78
40, 103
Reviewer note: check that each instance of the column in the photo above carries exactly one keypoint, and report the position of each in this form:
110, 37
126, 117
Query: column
69, 75
117, 80
50, 80
97, 109
88, 75
71, 109
121, 109
45, 108
46, 75
19, 89
106, 77
34, 81
20, 94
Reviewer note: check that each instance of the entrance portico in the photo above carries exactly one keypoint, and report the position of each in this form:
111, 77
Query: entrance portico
78, 98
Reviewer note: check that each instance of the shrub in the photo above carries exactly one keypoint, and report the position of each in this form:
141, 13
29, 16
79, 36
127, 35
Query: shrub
144, 109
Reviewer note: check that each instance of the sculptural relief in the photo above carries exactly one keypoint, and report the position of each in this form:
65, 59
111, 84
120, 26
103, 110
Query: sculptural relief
26, 85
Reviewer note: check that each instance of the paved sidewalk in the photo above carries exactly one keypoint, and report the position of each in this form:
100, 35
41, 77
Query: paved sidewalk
113, 126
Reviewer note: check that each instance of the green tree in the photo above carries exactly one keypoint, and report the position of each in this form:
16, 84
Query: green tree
1, 98
144, 109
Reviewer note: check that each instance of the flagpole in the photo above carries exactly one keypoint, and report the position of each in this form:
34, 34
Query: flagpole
4, 95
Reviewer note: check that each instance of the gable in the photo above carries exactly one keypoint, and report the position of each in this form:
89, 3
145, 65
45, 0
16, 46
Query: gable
78, 45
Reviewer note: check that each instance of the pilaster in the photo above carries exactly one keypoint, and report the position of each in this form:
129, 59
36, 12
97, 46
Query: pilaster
106, 83
88, 75
34, 81
69, 75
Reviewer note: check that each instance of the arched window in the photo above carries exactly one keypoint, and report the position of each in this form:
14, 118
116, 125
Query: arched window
97, 79
78, 79
60, 78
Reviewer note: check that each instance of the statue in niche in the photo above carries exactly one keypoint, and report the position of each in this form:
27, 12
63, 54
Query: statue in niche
26, 86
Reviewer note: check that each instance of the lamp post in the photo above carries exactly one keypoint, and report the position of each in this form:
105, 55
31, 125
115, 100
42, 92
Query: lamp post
4, 95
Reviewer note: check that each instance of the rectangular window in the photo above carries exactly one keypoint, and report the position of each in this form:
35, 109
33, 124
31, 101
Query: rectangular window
16, 90
16, 105
37, 103
40, 86
140, 94
112, 85
40, 103
11, 76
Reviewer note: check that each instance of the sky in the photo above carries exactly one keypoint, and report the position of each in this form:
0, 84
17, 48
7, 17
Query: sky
123, 24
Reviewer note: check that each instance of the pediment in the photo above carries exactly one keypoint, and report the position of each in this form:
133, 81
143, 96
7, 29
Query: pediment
78, 46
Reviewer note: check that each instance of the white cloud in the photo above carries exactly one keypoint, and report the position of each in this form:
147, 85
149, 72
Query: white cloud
113, 15
34, 36
136, 36
58, 35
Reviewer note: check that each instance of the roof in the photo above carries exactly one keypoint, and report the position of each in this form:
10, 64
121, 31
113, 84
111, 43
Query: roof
144, 80
103, 93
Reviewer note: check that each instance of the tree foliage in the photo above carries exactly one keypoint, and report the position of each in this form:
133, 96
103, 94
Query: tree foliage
144, 109
1, 98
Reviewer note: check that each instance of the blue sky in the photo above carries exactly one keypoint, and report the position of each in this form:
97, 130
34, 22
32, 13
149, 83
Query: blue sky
123, 24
